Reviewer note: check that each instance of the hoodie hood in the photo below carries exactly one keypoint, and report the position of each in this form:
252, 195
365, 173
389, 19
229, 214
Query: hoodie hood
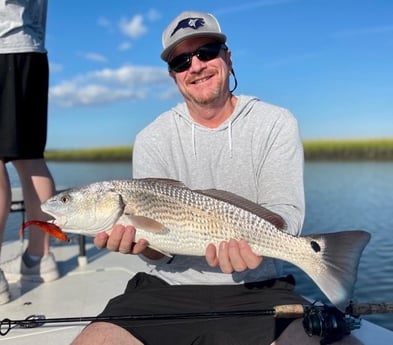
243, 105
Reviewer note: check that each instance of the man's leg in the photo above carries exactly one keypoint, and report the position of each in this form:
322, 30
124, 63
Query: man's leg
105, 333
296, 335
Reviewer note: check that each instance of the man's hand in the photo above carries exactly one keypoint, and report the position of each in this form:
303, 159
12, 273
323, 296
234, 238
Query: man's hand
232, 256
121, 239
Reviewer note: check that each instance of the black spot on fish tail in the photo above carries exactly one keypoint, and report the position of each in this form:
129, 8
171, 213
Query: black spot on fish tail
334, 263
315, 246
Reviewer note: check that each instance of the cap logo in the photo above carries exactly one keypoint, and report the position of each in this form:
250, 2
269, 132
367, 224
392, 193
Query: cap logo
192, 23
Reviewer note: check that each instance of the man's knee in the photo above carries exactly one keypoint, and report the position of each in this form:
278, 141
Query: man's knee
295, 334
105, 333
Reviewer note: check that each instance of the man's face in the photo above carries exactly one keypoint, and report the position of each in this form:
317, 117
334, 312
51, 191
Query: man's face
204, 82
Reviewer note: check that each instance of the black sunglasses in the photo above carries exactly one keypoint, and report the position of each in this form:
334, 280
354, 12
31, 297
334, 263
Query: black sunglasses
207, 52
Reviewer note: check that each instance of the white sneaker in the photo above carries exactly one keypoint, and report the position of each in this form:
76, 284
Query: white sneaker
44, 271
4, 291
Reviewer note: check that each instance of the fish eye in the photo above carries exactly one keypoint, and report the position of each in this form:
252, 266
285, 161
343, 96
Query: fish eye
65, 198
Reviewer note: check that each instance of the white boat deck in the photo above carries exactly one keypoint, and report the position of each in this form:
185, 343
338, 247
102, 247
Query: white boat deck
85, 286
83, 289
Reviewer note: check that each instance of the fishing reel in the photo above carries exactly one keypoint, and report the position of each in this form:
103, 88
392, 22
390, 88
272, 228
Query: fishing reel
329, 323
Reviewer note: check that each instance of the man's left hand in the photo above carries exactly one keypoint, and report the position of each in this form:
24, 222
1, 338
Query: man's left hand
232, 256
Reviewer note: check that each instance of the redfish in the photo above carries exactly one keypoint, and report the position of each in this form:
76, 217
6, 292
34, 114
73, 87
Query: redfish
177, 220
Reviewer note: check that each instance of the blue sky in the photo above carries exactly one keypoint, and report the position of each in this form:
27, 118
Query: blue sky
329, 61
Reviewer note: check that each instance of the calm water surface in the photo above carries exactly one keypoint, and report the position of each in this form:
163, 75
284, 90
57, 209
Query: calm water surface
339, 196
347, 196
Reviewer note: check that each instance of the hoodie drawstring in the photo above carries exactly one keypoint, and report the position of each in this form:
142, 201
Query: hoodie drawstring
230, 138
193, 139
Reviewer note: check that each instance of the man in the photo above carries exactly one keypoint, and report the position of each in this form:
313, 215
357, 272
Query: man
24, 75
213, 140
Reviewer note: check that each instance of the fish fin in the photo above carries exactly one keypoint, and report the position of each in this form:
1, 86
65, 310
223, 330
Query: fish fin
168, 181
160, 251
246, 205
147, 224
338, 255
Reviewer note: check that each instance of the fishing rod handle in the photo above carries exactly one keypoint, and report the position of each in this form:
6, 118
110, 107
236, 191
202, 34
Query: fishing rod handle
292, 311
370, 308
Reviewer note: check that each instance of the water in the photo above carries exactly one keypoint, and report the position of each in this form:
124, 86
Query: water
69, 175
354, 195
339, 196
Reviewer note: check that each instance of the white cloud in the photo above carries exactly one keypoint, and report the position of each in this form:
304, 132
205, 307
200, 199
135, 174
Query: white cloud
374, 30
55, 67
104, 22
247, 6
70, 94
107, 86
124, 46
169, 93
95, 57
153, 15
134, 27
132, 75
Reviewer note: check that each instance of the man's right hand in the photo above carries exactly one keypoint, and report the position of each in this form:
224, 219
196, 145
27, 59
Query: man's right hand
122, 239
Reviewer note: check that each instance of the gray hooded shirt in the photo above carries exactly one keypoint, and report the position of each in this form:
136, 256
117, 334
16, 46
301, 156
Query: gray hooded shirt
256, 153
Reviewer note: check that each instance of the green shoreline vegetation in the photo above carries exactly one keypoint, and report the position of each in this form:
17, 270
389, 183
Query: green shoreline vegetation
345, 150
111, 154
380, 149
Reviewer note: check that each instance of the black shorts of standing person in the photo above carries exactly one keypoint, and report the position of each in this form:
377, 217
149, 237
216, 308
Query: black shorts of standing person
23, 105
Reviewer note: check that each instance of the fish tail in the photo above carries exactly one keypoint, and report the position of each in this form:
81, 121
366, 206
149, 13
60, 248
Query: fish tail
337, 255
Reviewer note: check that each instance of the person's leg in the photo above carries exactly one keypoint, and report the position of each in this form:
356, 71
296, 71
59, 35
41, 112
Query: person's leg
36, 264
295, 334
104, 333
38, 186
5, 199
5, 202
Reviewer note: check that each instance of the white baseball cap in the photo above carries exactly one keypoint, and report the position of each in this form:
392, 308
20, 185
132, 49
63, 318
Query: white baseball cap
190, 24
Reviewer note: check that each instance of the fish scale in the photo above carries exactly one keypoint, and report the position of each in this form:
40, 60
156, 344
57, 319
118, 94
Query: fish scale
212, 220
177, 220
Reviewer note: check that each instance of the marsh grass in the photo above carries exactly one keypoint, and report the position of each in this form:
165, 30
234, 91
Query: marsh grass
345, 149
354, 149
118, 153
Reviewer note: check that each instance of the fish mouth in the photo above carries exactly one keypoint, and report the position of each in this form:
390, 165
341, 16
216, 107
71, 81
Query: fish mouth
61, 222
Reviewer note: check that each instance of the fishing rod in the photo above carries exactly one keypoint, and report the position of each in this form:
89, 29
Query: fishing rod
318, 319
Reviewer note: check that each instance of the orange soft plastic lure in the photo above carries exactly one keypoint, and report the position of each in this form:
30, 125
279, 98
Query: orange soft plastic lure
50, 228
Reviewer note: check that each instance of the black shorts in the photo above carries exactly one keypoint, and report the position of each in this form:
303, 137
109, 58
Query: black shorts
147, 295
23, 105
